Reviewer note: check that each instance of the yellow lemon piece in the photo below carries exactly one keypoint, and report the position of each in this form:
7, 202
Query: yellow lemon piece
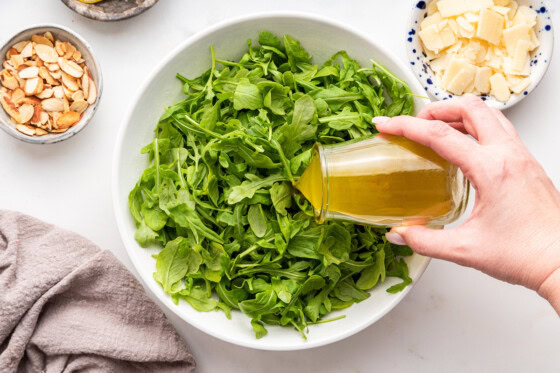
90, 1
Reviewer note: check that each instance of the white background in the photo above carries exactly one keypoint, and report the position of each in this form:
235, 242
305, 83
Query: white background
455, 319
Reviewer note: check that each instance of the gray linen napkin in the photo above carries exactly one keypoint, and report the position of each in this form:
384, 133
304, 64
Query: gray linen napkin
67, 306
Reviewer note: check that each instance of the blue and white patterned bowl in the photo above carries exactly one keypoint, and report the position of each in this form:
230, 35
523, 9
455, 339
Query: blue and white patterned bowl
540, 59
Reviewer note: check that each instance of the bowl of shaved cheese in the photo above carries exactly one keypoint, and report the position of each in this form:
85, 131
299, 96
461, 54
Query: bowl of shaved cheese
496, 49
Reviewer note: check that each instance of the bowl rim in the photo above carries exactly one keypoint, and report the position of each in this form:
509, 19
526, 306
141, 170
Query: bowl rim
79, 8
152, 285
99, 83
514, 99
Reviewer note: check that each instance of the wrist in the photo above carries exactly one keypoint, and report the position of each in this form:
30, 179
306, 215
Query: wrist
550, 289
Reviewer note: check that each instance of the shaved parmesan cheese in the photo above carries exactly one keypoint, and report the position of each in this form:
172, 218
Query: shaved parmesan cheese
440, 63
463, 23
454, 66
499, 87
432, 7
450, 8
526, 15
478, 5
490, 25
502, 2
447, 36
462, 80
503, 10
482, 79
521, 54
513, 34
434, 19
520, 86
431, 39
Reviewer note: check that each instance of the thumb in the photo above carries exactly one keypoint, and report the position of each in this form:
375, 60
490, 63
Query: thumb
436, 243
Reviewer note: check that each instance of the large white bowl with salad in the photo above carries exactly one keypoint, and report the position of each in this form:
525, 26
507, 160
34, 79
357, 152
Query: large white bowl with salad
214, 229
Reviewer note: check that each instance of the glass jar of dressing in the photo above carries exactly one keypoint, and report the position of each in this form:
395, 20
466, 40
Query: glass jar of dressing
383, 181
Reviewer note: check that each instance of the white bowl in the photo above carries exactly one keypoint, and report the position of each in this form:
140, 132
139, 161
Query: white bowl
321, 37
64, 34
540, 58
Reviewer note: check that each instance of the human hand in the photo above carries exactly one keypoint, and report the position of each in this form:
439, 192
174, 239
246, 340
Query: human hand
513, 233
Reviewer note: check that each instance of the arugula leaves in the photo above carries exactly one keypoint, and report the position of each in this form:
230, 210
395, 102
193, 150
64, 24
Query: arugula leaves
218, 199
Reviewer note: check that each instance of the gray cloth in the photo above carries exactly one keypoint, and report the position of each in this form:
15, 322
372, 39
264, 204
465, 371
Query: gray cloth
67, 306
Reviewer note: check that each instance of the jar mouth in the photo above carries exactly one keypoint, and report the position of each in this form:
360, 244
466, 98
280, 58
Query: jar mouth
321, 214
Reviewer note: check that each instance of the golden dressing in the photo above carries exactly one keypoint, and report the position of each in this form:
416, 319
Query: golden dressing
385, 180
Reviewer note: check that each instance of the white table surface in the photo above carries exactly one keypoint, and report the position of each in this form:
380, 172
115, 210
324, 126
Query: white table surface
455, 319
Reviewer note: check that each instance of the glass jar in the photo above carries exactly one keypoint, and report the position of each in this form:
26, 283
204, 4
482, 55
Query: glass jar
383, 181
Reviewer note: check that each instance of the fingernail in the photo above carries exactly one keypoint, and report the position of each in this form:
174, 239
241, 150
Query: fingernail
395, 238
378, 120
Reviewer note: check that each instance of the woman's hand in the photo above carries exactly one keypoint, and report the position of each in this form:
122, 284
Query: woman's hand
513, 233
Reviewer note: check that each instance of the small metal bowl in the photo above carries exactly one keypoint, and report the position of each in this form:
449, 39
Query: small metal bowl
110, 10
63, 34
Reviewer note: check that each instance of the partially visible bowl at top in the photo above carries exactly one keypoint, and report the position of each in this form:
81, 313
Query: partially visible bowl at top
162, 89
539, 58
63, 34
110, 10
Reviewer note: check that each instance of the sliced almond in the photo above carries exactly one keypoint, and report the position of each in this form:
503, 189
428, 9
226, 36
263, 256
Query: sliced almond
79, 106
77, 96
25, 130
26, 112
68, 119
55, 116
70, 67
37, 111
47, 93
70, 49
85, 84
44, 118
10, 108
49, 36
17, 96
46, 53
8, 80
11, 52
61, 130
59, 48
40, 39
69, 82
16, 60
19, 46
7, 65
67, 93
77, 56
66, 105
58, 92
21, 82
53, 104
27, 51
92, 93
53, 67
44, 73
56, 75
40, 132
29, 72
31, 85
32, 100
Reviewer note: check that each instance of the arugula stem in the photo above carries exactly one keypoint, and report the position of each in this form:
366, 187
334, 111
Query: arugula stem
156, 160
326, 321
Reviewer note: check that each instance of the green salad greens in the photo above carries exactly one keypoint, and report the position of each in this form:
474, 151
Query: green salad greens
218, 196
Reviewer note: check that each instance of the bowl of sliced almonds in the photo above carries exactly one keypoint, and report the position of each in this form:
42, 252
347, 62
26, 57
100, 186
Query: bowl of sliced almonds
50, 84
